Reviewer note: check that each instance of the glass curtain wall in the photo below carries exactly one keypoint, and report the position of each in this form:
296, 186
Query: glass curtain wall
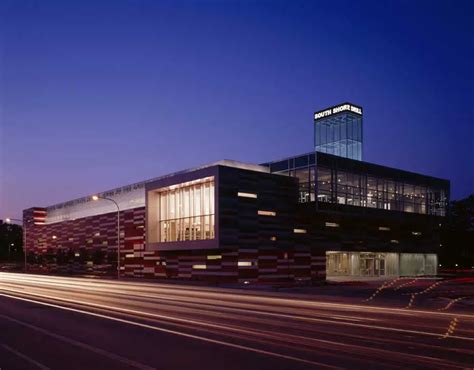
412, 264
186, 211
360, 189
368, 264
368, 191
340, 135
373, 264
304, 169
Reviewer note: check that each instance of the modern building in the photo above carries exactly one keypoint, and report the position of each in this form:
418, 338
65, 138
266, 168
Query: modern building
338, 131
321, 214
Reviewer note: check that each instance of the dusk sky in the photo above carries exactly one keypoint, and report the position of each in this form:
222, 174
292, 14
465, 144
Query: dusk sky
99, 94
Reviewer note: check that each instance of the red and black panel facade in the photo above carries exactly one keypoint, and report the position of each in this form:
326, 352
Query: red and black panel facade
261, 231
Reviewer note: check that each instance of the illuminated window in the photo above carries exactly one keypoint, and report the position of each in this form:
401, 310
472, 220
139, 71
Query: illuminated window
186, 211
215, 257
199, 267
273, 238
266, 213
245, 263
416, 233
383, 228
129, 255
247, 195
55, 237
331, 224
97, 234
394, 241
77, 254
299, 231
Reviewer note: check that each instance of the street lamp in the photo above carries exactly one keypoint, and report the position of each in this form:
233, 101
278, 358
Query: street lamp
9, 221
96, 198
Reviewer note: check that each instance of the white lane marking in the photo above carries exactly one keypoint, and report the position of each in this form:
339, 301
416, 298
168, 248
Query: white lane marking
25, 357
167, 317
214, 341
80, 344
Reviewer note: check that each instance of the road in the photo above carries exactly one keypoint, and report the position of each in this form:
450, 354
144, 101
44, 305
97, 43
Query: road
50, 322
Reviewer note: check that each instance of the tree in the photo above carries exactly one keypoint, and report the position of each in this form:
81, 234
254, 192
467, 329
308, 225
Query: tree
11, 242
457, 235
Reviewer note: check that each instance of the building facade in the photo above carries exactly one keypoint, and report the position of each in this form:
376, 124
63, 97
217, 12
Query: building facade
303, 218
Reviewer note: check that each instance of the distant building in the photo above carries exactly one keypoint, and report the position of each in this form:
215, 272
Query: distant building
321, 214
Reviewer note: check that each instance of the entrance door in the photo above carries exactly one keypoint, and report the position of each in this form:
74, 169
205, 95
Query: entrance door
380, 266
372, 264
367, 265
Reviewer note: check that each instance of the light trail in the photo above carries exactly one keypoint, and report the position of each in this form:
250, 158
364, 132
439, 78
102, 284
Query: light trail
192, 300
257, 312
403, 357
292, 325
220, 294
174, 318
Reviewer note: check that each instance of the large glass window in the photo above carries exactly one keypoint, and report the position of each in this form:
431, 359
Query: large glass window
436, 201
368, 191
341, 186
369, 264
302, 174
324, 184
186, 211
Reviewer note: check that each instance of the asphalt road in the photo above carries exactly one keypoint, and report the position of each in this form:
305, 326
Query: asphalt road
51, 322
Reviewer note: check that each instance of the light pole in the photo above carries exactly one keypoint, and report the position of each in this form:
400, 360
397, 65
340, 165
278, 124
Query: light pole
10, 220
96, 198
10, 251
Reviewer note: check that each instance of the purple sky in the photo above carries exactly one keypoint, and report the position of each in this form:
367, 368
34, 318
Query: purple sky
98, 94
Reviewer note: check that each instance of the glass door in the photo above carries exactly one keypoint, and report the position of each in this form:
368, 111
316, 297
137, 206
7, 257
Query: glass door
380, 266
367, 264
372, 264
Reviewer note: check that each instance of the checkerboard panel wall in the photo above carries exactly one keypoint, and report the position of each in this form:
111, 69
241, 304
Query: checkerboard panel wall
89, 245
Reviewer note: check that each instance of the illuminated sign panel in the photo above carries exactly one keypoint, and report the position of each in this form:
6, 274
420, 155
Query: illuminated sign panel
346, 107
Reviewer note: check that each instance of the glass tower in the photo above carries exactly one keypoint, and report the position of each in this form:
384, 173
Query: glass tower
338, 131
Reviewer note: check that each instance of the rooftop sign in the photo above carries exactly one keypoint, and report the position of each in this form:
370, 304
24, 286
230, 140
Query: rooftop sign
346, 107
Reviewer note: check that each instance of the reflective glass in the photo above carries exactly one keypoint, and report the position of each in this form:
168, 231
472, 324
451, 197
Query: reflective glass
339, 135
